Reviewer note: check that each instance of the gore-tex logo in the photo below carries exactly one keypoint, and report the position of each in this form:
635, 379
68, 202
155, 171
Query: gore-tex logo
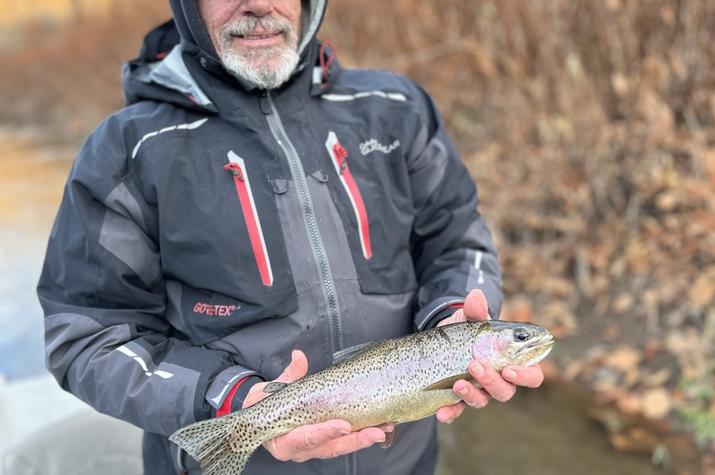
211, 310
373, 145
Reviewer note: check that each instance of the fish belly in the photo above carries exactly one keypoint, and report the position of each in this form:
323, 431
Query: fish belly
424, 404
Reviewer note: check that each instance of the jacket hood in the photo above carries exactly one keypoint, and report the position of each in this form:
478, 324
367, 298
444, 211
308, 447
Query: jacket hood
160, 74
193, 31
177, 50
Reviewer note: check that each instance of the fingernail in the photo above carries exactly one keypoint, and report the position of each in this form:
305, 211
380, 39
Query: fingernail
449, 421
476, 369
509, 374
463, 391
381, 438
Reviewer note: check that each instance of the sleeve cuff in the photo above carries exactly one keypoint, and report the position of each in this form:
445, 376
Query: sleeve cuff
231, 385
443, 309
237, 395
442, 314
438, 310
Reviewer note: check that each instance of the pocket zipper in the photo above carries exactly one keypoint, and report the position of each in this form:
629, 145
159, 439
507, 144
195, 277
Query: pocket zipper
237, 166
339, 157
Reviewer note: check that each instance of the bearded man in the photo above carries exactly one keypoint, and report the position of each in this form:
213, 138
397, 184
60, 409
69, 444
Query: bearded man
254, 208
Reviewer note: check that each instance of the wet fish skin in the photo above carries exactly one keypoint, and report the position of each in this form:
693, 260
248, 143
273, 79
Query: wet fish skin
396, 380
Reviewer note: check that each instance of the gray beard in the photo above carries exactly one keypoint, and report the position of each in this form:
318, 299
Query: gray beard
263, 76
248, 65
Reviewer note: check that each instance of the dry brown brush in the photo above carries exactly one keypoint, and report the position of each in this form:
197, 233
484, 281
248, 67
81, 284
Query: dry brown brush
67, 77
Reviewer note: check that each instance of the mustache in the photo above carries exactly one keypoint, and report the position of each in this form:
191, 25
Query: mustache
269, 24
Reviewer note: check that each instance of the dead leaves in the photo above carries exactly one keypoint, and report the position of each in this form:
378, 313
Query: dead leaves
702, 293
657, 403
624, 359
691, 350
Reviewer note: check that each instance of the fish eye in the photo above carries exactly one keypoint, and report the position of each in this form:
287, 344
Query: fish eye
521, 334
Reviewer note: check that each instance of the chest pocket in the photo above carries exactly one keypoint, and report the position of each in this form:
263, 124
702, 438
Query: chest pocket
251, 219
222, 241
374, 204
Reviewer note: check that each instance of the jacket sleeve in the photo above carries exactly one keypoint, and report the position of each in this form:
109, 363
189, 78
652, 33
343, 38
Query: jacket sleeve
451, 245
103, 295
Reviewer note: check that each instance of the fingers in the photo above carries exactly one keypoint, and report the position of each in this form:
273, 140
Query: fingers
494, 386
475, 306
306, 438
351, 443
472, 396
297, 368
527, 376
324, 440
448, 414
491, 381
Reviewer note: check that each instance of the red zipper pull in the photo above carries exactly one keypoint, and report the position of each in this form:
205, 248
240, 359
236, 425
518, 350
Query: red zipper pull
341, 155
234, 168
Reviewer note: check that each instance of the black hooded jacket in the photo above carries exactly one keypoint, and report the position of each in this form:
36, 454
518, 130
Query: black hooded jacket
209, 228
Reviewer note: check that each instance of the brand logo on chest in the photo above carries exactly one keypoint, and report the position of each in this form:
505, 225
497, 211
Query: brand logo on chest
373, 145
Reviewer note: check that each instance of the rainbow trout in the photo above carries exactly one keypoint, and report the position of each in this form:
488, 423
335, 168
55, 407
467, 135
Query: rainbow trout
396, 380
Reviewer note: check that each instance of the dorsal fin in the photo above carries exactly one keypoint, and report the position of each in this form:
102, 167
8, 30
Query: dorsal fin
274, 387
347, 353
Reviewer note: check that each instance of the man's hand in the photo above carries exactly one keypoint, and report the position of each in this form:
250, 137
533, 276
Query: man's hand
498, 386
325, 440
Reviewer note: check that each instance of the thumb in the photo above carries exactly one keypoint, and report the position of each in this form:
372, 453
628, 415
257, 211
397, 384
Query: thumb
475, 306
297, 368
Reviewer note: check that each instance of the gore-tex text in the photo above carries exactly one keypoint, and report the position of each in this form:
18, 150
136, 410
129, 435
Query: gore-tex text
215, 310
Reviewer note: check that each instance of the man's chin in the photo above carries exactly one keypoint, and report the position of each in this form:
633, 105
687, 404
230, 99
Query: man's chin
259, 57
267, 71
269, 66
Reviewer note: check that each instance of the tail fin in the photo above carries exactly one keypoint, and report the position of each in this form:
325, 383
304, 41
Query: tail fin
221, 446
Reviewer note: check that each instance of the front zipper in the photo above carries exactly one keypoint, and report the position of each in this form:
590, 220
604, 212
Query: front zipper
298, 173
339, 157
237, 166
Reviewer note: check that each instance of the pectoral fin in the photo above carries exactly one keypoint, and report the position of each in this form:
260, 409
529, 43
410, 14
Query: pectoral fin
447, 383
390, 438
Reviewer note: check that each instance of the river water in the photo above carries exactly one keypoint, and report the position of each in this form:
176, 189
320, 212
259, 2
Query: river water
542, 432
30, 190
539, 432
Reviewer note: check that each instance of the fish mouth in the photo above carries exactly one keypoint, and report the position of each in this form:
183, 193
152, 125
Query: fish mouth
536, 350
